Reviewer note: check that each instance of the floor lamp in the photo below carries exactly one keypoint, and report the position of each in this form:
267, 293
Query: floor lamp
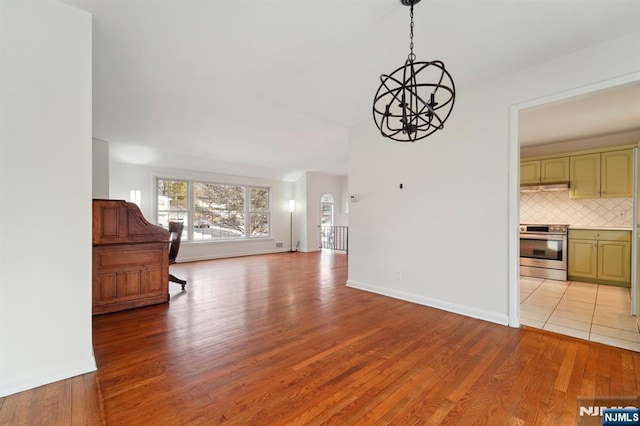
292, 207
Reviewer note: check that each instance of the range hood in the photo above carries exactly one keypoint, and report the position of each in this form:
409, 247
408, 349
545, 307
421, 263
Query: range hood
561, 186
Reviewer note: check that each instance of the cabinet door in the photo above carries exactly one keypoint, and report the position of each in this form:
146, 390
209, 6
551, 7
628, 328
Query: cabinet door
554, 170
127, 276
617, 174
583, 258
585, 176
530, 172
614, 261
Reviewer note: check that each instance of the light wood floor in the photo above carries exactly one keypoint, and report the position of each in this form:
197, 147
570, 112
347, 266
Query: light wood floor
280, 339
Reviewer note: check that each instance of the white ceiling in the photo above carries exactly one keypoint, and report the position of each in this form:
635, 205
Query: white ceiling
271, 87
610, 111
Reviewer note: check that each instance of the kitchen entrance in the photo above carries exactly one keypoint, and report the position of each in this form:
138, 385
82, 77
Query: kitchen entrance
583, 177
595, 312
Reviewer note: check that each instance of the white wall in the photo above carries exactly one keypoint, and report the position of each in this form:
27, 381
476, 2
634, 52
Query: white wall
45, 188
125, 177
316, 185
444, 239
100, 169
300, 215
341, 197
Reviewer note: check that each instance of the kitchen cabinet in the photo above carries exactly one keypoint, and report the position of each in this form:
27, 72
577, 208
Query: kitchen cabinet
546, 171
583, 258
600, 256
585, 176
530, 172
617, 174
602, 175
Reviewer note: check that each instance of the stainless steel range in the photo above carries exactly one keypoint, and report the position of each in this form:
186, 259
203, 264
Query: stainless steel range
543, 251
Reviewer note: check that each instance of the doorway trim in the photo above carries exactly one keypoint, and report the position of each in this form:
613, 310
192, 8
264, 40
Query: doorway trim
327, 199
514, 180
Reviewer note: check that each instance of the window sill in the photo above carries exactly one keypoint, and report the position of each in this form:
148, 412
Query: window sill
215, 242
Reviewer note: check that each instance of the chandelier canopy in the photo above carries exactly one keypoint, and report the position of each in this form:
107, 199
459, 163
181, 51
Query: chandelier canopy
414, 100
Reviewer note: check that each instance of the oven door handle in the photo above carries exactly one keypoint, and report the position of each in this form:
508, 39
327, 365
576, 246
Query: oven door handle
542, 237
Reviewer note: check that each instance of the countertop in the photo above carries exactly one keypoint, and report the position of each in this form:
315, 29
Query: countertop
601, 228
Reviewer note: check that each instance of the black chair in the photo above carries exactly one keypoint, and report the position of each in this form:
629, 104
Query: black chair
175, 232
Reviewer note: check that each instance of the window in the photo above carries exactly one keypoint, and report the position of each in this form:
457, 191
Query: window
173, 203
326, 210
216, 212
259, 212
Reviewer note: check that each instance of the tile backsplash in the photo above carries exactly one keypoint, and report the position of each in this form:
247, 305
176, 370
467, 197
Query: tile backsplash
556, 207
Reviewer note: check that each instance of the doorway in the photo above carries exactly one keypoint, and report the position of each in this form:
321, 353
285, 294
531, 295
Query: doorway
563, 294
326, 210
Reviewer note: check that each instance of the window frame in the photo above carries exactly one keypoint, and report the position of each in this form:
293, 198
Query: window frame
249, 212
327, 200
188, 237
185, 232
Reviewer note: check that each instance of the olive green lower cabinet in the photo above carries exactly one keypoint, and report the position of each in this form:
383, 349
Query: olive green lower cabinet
600, 256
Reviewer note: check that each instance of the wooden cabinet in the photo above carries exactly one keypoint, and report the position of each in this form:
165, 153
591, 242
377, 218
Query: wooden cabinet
530, 172
585, 176
601, 256
617, 174
583, 258
602, 175
130, 258
546, 171
614, 261
554, 170
128, 276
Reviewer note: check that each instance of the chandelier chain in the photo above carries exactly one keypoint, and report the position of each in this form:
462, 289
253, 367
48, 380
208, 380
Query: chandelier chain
412, 57
416, 99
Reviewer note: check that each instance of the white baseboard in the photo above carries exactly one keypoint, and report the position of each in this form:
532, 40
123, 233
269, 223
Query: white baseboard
239, 254
227, 255
52, 374
433, 303
307, 250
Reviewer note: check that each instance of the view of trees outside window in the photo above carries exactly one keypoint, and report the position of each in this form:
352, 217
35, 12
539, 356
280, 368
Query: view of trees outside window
216, 211
173, 203
259, 212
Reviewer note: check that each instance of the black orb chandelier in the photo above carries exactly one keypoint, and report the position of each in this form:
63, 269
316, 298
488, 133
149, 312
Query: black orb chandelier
414, 100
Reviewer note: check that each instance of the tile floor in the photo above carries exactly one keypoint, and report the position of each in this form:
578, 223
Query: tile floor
600, 313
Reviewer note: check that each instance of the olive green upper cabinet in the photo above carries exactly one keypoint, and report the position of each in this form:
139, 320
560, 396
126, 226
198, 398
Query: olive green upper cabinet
530, 172
554, 170
551, 170
617, 174
585, 176
602, 175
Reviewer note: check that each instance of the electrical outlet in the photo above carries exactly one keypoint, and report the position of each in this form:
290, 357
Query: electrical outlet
278, 245
398, 275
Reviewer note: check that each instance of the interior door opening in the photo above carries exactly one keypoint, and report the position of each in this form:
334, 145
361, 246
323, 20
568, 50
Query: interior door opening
559, 301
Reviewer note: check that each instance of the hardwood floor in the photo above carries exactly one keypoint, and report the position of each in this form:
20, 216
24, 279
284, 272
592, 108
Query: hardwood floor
279, 339
74, 401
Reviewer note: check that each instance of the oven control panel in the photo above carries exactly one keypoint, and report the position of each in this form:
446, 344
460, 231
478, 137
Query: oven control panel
544, 229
